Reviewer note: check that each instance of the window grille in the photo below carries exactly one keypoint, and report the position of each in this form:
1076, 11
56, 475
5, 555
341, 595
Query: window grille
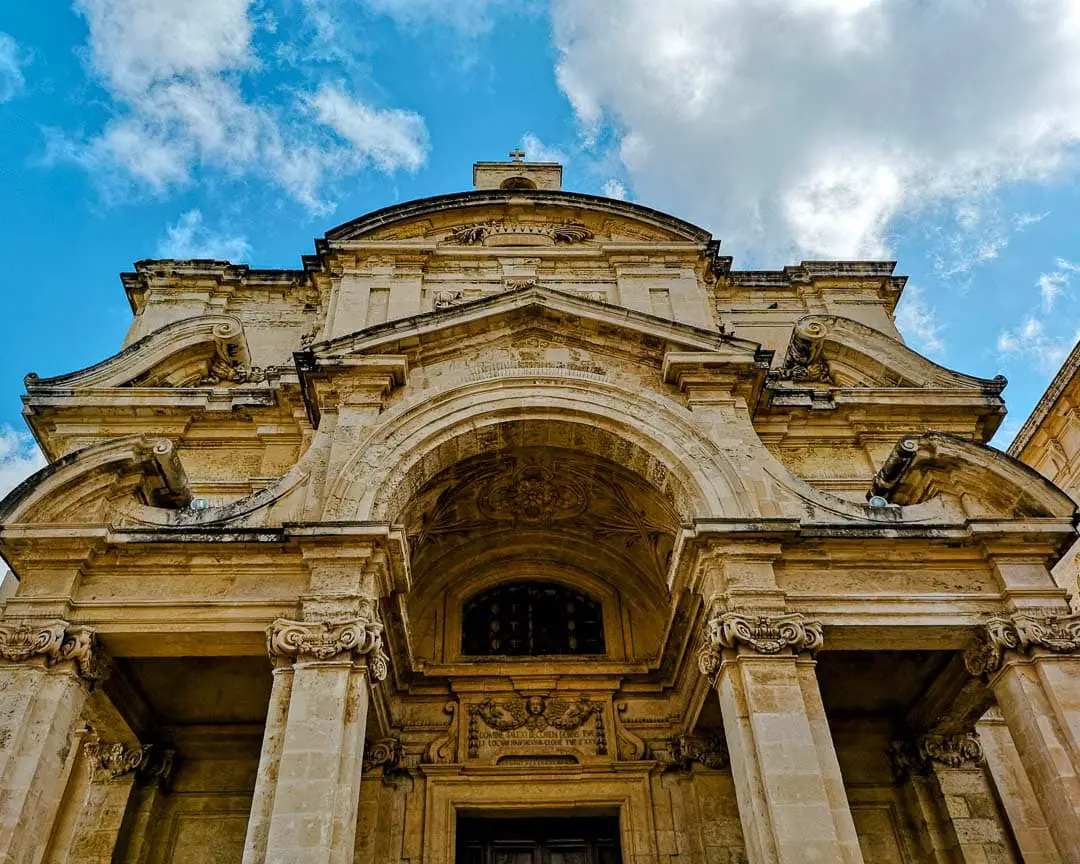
530, 619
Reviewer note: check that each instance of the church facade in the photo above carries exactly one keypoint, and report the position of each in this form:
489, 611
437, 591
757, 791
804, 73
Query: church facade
518, 526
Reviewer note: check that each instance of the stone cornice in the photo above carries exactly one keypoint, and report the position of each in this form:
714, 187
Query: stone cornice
55, 642
326, 640
921, 754
1021, 632
761, 632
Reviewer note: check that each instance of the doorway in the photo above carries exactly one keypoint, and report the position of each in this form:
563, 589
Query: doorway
551, 840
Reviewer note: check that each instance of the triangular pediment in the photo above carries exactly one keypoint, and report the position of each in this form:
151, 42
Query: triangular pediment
531, 308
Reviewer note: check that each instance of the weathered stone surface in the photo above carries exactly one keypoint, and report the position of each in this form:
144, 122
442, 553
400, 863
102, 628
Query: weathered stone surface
453, 518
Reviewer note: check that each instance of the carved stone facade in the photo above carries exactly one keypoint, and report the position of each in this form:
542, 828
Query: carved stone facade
523, 501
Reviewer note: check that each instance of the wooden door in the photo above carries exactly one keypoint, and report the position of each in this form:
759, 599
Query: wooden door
574, 840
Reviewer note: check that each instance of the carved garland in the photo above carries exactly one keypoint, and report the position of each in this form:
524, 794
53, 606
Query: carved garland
536, 713
559, 232
325, 640
760, 632
56, 642
1022, 632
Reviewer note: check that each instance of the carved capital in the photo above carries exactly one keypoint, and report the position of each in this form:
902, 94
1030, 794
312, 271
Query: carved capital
326, 640
761, 632
55, 642
918, 756
150, 762
385, 753
1021, 632
710, 751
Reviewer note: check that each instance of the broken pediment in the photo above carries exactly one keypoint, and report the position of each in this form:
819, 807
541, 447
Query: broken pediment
840, 352
204, 351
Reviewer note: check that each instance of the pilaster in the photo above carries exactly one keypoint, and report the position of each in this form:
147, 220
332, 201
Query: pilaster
1026, 819
1031, 661
114, 770
788, 785
308, 781
46, 670
953, 798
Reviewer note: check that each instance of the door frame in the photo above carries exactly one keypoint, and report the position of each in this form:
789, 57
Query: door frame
540, 792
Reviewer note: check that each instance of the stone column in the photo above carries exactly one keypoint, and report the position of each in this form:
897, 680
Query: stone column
791, 797
1032, 663
114, 771
308, 785
45, 672
953, 797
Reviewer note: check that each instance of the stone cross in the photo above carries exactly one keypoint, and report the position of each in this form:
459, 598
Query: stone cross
517, 155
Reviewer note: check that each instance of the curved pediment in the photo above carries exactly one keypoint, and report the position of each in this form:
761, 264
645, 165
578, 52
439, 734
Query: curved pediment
986, 481
208, 349
831, 349
81, 487
498, 217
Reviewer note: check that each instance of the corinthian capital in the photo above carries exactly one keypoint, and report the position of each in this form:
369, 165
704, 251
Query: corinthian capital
327, 640
55, 642
1021, 632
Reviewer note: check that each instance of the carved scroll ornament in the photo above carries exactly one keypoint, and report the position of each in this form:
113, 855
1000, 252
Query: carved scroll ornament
324, 640
760, 632
804, 360
55, 642
1022, 632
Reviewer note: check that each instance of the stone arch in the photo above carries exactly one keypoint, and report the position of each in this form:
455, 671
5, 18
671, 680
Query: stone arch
658, 443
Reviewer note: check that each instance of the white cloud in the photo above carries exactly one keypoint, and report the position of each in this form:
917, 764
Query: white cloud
918, 323
1052, 284
188, 237
802, 127
537, 151
390, 139
12, 61
19, 458
176, 73
614, 189
1030, 341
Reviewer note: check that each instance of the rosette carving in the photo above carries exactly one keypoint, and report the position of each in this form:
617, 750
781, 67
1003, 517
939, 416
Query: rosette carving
761, 632
327, 640
56, 642
1022, 632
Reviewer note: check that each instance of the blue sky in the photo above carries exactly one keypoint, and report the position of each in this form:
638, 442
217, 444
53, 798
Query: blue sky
937, 133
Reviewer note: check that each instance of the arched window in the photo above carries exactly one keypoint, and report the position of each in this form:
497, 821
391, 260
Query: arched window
531, 619
517, 183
